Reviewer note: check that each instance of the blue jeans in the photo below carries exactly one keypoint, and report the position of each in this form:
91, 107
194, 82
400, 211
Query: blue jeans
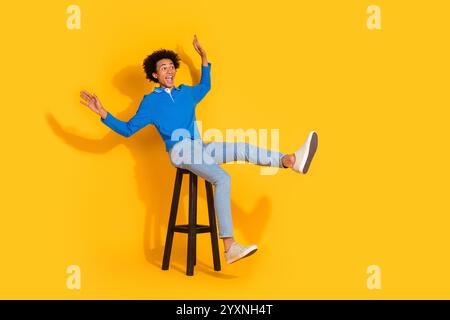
203, 159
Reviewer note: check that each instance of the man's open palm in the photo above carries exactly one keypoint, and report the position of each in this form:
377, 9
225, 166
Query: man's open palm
198, 47
92, 102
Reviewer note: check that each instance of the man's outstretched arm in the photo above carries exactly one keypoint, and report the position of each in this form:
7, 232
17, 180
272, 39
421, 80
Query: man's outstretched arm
126, 129
200, 90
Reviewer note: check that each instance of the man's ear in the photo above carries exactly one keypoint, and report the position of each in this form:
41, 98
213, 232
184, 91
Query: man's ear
155, 75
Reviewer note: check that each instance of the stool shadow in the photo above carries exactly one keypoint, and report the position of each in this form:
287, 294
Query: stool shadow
153, 171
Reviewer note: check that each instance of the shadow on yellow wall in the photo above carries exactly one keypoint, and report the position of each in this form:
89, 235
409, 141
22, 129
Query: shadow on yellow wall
153, 171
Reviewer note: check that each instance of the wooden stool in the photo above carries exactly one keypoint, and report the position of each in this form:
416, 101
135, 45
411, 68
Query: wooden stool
192, 228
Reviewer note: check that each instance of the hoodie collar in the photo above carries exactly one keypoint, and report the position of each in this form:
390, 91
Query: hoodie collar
159, 89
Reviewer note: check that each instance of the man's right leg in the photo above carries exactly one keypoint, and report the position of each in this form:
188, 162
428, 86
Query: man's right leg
202, 165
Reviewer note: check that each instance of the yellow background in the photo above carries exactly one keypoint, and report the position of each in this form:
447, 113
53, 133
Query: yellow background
76, 193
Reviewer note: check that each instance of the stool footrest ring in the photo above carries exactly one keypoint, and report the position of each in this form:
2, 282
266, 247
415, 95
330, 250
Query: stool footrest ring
184, 228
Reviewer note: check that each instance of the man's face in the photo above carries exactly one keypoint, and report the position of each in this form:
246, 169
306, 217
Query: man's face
165, 73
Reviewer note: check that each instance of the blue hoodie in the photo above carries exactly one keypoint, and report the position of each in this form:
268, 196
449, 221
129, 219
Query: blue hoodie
167, 110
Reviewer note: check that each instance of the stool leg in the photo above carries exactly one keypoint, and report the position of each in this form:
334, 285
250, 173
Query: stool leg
195, 218
192, 233
172, 219
195, 222
212, 225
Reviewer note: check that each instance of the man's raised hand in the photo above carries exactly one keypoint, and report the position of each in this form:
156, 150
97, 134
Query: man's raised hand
198, 47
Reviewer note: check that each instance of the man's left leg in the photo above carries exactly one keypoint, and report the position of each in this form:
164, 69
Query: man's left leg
224, 152
299, 161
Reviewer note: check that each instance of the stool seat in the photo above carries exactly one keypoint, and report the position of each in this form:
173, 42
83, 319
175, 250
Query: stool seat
192, 228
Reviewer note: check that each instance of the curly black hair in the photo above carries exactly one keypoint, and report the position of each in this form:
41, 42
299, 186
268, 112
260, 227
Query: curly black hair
150, 62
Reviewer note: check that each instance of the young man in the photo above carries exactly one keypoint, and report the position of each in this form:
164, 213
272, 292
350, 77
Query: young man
171, 110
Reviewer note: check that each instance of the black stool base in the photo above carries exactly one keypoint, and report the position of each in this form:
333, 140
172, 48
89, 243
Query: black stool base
192, 228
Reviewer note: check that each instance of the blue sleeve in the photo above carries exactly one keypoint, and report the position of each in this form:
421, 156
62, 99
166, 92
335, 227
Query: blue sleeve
199, 91
141, 119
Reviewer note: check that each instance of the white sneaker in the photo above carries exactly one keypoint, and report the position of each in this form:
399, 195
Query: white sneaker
305, 154
237, 252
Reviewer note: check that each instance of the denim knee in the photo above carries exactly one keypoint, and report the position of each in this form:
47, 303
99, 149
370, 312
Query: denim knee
223, 179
